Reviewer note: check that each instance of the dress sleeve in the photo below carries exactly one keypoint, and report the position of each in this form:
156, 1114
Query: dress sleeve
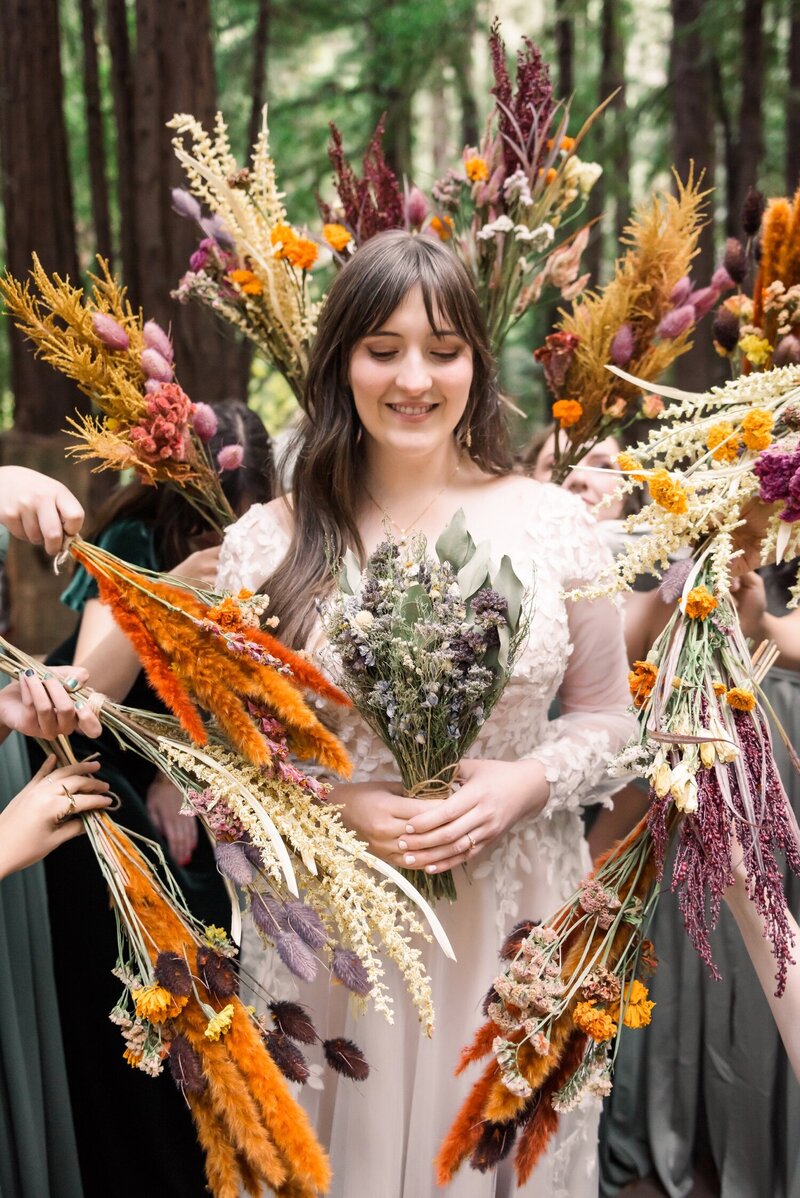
130, 540
595, 721
251, 549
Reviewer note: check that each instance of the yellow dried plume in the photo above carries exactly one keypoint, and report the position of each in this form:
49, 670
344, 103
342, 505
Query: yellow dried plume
660, 242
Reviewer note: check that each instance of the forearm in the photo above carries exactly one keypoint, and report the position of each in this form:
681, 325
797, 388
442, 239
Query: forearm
786, 1009
105, 651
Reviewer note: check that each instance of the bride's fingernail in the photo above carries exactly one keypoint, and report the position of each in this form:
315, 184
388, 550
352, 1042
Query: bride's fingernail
432, 869
402, 844
409, 858
410, 829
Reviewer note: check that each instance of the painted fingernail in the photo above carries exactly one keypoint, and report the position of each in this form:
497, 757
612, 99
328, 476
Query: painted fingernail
79, 704
46, 675
432, 869
409, 858
28, 673
402, 844
410, 829
71, 684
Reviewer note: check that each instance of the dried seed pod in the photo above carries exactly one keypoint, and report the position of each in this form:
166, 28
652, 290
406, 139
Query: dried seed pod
293, 1020
346, 1058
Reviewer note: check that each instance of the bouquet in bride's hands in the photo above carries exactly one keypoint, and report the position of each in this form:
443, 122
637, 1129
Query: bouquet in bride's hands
425, 645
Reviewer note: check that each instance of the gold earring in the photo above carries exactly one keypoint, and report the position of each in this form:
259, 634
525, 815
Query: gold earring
468, 438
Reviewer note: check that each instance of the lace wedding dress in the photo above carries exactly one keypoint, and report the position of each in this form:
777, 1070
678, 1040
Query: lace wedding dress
384, 1134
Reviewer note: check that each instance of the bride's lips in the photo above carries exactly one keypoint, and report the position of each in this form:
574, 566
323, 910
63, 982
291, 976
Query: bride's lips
413, 413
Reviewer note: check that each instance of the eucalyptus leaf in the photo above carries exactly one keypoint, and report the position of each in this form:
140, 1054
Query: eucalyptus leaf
505, 645
349, 577
455, 545
507, 584
475, 574
415, 605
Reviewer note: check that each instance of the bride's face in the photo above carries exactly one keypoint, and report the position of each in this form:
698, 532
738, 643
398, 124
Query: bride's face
411, 383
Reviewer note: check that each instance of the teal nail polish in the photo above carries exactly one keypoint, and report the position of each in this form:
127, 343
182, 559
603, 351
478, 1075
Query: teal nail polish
71, 684
46, 676
79, 704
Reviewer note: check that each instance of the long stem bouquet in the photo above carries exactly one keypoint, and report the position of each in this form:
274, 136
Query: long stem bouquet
424, 647
124, 364
251, 266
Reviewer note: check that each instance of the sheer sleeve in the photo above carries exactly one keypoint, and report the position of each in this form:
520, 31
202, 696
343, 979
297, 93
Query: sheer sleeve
252, 548
594, 722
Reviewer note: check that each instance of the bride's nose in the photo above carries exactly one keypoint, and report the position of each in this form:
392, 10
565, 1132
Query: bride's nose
413, 375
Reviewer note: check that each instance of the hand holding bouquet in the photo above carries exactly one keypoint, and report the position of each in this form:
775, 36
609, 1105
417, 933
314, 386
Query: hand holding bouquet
425, 646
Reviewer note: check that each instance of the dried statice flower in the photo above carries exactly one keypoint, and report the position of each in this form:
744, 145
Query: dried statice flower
293, 1020
348, 968
287, 1056
304, 920
296, 956
186, 1066
346, 1058
216, 972
172, 972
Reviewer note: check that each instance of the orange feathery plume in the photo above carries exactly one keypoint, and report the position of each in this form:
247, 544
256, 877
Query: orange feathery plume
544, 1120
789, 266
773, 238
480, 1047
222, 1168
463, 1136
501, 1105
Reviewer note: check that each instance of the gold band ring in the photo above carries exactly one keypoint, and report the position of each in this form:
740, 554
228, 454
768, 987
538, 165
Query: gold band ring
71, 809
471, 842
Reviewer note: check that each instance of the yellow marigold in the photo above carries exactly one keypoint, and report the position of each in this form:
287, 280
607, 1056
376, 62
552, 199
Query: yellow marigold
724, 442
337, 237
595, 1022
132, 1058
700, 603
477, 169
281, 236
755, 349
302, 253
639, 1008
247, 281
641, 681
567, 412
719, 688
244, 594
757, 429
442, 228
668, 493
631, 465
153, 1003
740, 699
220, 1023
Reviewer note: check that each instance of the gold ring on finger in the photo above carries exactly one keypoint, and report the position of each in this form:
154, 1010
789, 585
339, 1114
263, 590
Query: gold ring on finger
471, 843
71, 809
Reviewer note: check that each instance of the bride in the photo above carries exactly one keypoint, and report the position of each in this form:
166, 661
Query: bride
403, 426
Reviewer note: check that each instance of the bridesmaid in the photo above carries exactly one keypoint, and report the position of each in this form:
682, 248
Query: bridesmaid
403, 426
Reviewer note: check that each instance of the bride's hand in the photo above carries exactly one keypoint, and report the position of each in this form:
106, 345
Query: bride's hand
494, 795
378, 812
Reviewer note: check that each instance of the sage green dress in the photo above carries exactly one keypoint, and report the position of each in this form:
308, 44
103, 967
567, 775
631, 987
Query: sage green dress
710, 1074
38, 1158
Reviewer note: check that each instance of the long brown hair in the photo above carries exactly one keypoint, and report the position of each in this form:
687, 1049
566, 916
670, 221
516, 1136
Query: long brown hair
329, 469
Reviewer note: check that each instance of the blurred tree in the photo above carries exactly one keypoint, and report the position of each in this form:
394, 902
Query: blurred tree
793, 100
743, 138
122, 91
94, 130
611, 140
565, 48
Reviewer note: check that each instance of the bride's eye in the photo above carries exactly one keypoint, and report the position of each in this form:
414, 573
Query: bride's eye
445, 355
381, 355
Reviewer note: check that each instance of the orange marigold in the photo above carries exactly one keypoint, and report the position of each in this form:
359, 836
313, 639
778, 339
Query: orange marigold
723, 441
567, 412
631, 465
226, 613
596, 1022
477, 169
639, 1007
302, 253
249, 283
740, 699
281, 237
719, 688
668, 493
757, 429
132, 1058
700, 603
337, 237
641, 681
443, 228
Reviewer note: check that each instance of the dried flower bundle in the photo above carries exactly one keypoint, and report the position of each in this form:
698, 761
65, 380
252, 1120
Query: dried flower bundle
554, 1015
193, 651
642, 320
125, 366
369, 205
251, 267
424, 647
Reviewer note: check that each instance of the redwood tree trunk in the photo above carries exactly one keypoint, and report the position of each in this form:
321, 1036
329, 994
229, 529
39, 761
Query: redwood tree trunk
751, 118
94, 129
610, 139
37, 196
260, 81
793, 102
122, 91
565, 49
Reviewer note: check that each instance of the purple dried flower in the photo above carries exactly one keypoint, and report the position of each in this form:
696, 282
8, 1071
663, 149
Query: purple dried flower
230, 457
373, 203
253, 854
348, 968
293, 1020
703, 300
268, 915
621, 350
173, 974
216, 229
725, 329
287, 1056
155, 338
735, 260
673, 582
201, 256
296, 956
680, 292
346, 1058
677, 322
204, 421
109, 331
156, 366
416, 208
523, 119
775, 470
787, 351
752, 211
184, 203
186, 1066
232, 862
308, 925
217, 973
721, 280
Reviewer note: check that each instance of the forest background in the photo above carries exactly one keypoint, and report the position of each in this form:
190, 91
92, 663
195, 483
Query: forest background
86, 87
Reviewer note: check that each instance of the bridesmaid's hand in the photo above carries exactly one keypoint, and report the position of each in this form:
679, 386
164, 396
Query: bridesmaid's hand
43, 706
378, 812
494, 795
38, 509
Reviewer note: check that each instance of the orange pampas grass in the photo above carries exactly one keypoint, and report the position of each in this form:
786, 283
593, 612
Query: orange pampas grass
466, 1130
188, 657
773, 239
543, 1123
480, 1047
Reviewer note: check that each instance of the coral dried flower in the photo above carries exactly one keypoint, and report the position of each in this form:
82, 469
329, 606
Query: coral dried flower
700, 603
567, 412
740, 699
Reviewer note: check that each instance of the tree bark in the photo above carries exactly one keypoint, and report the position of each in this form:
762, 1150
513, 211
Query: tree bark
693, 134
565, 49
260, 86
610, 139
94, 129
751, 116
37, 193
793, 102
122, 91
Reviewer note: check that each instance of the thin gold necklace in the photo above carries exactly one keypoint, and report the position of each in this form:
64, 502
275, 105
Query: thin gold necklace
405, 531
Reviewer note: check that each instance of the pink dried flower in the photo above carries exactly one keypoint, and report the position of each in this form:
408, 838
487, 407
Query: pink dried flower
416, 208
184, 203
152, 386
156, 366
163, 433
110, 333
787, 351
721, 280
680, 292
703, 300
621, 350
204, 421
155, 338
676, 322
230, 457
652, 406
